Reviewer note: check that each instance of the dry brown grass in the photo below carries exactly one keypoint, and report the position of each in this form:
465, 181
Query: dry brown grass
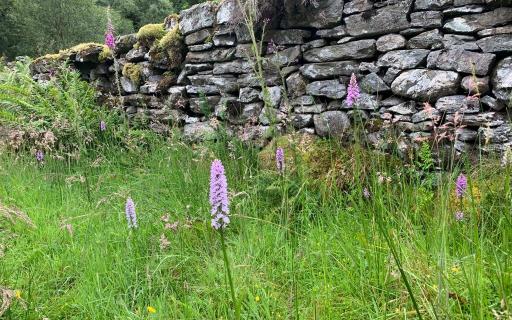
13, 215
7, 296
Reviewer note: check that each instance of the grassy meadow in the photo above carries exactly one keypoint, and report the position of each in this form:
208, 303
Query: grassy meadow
295, 242
344, 233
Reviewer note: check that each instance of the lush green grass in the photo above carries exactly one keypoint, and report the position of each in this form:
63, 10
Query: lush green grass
342, 264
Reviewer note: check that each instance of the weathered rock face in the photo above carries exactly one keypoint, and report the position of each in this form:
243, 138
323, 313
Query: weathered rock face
352, 50
477, 22
197, 17
462, 61
502, 80
419, 64
331, 124
391, 18
316, 14
326, 70
425, 85
403, 59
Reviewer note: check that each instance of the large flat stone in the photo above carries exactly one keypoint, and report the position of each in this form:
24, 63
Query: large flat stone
328, 88
403, 59
326, 70
361, 49
318, 14
461, 61
476, 22
390, 42
432, 4
425, 85
499, 43
331, 124
287, 37
217, 55
458, 103
391, 18
197, 17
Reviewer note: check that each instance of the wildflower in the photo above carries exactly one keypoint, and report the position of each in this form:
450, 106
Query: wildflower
272, 47
103, 126
455, 269
110, 40
280, 160
257, 298
39, 156
151, 309
366, 193
172, 226
461, 185
459, 216
353, 91
17, 293
219, 196
130, 213
164, 242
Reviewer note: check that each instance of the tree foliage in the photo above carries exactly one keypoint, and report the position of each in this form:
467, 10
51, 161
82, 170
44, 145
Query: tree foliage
35, 28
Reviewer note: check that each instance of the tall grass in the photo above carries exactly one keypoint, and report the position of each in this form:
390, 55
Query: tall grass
345, 266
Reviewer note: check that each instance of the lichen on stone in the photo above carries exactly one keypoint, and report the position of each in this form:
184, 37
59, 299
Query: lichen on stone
133, 72
150, 33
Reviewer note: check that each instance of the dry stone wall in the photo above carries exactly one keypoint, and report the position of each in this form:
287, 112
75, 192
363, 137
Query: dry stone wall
428, 69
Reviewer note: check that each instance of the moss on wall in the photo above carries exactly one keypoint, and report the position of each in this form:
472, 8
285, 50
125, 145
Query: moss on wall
150, 33
172, 46
133, 72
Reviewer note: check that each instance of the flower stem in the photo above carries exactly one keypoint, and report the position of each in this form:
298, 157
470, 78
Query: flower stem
230, 278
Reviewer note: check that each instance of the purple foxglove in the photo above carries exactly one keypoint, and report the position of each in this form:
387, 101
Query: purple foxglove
219, 196
110, 40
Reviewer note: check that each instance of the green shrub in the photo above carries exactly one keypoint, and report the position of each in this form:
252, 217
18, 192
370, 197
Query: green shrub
59, 115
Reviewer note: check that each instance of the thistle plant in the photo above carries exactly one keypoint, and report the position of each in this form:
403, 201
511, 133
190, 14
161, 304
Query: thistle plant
219, 203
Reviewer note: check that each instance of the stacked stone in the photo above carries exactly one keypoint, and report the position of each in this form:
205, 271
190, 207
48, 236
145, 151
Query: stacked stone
423, 65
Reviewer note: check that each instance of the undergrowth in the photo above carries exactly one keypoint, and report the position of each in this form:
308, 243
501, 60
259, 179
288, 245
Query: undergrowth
343, 233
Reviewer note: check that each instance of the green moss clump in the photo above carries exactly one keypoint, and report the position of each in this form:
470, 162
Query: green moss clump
83, 47
133, 72
171, 45
105, 54
150, 33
